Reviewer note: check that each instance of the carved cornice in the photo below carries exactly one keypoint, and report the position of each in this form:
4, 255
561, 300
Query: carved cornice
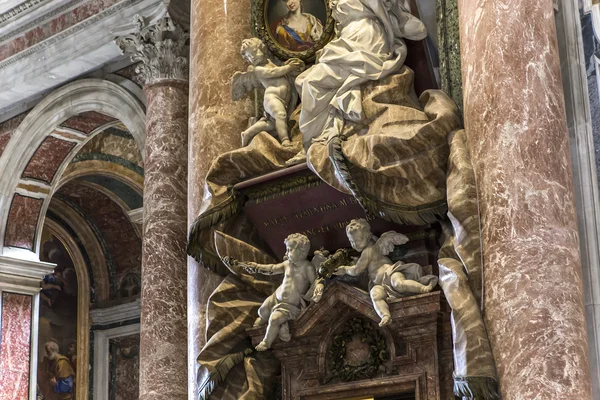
115, 314
21, 8
38, 21
67, 32
161, 48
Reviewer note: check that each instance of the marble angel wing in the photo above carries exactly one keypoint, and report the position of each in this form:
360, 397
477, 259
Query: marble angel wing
388, 240
243, 82
230, 250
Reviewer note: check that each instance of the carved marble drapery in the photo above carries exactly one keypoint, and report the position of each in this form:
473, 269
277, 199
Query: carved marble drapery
161, 48
516, 127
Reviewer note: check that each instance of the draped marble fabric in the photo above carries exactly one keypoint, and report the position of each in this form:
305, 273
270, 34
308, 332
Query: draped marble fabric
368, 47
395, 159
232, 308
461, 278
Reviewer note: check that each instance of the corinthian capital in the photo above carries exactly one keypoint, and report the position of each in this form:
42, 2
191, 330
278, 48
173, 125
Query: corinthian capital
161, 48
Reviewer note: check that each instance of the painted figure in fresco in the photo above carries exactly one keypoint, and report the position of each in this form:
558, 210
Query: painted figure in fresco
369, 46
51, 286
287, 302
387, 280
297, 31
61, 372
278, 81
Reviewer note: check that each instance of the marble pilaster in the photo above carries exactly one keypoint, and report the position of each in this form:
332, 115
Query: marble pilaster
215, 124
516, 126
163, 335
19, 316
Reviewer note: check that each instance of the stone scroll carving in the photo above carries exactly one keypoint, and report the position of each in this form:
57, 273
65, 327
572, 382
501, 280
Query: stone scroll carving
161, 48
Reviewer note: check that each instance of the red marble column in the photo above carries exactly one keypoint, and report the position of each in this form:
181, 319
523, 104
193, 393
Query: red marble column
217, 30
516, 126
161, 48
163, 330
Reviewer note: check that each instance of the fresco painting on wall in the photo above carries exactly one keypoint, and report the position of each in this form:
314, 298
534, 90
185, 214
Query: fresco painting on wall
58, 323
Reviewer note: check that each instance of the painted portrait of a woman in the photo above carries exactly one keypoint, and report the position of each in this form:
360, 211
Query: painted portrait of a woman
296, 31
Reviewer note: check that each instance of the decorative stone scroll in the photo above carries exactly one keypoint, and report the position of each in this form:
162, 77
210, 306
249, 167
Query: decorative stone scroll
161, 48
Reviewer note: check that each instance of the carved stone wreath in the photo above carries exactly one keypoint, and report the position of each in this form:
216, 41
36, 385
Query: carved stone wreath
338, 360
261, 28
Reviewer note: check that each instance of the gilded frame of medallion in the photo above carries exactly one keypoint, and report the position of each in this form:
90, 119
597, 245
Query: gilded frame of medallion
261, 29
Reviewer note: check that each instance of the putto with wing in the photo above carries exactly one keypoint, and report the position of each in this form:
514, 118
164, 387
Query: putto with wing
387, 280
280, 95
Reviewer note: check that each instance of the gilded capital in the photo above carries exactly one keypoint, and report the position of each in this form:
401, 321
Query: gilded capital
161, 47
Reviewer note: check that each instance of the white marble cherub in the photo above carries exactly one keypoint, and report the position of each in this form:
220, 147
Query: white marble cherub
287, 302
386, 279
280, 94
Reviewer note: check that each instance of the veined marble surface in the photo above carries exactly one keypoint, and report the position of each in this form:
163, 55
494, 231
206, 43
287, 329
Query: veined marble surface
516, 126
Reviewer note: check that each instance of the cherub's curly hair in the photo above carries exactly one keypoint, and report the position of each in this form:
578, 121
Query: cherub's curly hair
299, 240
359, 224
252, 43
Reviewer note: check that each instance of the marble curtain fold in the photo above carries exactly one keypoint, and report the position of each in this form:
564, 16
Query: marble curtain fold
228, 367
394, 161
460, 268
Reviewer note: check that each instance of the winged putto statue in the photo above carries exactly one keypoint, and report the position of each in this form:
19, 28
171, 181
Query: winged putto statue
387, 280
278, 81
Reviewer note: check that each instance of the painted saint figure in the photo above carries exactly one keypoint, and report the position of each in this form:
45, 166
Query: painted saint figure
297, 31
61, 372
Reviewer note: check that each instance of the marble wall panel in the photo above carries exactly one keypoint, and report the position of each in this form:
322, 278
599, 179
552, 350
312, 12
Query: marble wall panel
124, 367
7, 128
22, 222
47, 159
52, 27
86, 122
15, 346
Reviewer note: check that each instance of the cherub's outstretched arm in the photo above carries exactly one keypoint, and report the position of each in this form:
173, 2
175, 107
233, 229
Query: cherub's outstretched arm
359, 267
292, 66
265, 269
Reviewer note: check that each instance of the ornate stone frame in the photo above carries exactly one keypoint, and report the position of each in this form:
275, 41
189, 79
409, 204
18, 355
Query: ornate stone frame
261, 28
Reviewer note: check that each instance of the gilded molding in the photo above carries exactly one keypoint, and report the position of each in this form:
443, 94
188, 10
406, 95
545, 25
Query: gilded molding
161, 49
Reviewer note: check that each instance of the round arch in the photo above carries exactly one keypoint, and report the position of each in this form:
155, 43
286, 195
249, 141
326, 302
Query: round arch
70, 100
83, 308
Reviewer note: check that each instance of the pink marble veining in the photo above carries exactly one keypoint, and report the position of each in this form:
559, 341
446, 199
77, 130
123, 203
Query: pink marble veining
53, 26
7, 128
22, 222
163, 333
215, 125
516, 125
14, 346
86, 122
47, 159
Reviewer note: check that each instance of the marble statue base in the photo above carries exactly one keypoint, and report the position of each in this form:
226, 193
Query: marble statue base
412, 355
